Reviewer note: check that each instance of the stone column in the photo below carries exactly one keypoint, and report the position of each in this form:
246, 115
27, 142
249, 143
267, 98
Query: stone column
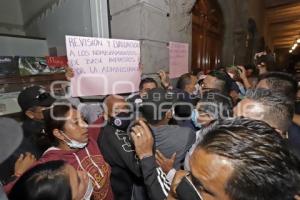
154, 23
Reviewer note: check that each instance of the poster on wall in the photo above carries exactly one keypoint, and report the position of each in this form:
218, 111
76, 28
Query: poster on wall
57, 64
36, 66
179, 59
103, 66
57, 61
8, 66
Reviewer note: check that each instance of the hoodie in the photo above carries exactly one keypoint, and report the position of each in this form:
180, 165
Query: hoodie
131, 178
88, 159
119, 153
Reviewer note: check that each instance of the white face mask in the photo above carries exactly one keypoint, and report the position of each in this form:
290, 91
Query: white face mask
74, 144
194, 118
89, 191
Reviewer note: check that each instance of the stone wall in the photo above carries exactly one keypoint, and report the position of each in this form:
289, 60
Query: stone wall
156, 22
235, 43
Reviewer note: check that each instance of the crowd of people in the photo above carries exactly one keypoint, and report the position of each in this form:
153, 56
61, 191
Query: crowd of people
230, 134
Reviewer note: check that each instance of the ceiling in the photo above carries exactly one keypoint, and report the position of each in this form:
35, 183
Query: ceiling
11, 12
283, 23
33, 8
20, 12
273, 3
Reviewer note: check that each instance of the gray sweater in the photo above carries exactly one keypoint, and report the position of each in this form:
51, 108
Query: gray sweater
171, 138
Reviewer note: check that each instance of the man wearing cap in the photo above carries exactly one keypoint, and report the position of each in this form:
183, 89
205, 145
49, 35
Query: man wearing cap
32, 100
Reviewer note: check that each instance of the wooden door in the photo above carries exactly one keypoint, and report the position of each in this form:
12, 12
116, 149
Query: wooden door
207, 35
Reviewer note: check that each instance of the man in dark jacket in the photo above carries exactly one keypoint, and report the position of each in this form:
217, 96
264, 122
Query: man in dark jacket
132, 176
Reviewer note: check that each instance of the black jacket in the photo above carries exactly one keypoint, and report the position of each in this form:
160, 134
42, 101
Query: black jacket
127, 170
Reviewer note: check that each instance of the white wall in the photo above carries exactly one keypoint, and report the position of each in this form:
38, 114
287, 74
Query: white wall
68, 17
12, 46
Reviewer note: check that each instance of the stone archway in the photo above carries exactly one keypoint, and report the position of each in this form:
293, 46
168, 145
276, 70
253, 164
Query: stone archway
234, 33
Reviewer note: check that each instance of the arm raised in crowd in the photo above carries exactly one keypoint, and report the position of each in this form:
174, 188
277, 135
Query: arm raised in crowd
69, 73
244, 78
121, 149
155, 179
164, 79
92, 111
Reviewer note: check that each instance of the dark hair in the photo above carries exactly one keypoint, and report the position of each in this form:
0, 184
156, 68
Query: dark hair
253, 68
281, 82
223, 82
263, 167
216, 104
249, 66
156, 104
184, 80
147, 80
55, 118
268, 61
278, 109
46, 181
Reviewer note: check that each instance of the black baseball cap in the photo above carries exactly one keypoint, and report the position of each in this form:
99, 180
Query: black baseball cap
11, 135
156, 103
34, 96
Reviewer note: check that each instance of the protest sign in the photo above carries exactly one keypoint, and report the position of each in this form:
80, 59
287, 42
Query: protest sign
103, 66
179, 59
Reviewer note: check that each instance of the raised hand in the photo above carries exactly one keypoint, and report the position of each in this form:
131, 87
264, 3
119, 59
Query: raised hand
142, 139
165, 163
24, 162
164, 78
69, 73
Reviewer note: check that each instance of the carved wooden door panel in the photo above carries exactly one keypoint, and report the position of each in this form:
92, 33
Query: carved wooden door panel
207, 35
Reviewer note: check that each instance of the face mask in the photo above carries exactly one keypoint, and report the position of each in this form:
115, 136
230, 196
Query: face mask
187, 191
89, 191
194, 118
121, 121
74, 144
33, 126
